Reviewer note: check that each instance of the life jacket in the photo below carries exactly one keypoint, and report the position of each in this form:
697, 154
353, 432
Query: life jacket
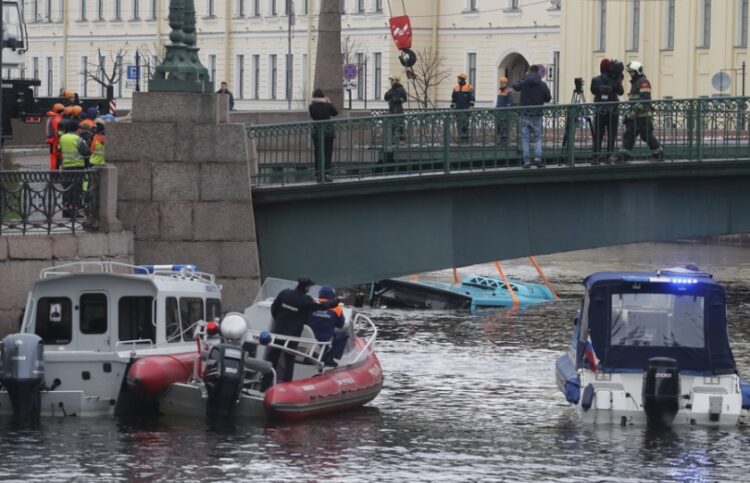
71, 157
50, 127
97, 150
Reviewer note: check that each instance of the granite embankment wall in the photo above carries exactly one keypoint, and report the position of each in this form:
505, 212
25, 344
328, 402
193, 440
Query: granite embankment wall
23, 257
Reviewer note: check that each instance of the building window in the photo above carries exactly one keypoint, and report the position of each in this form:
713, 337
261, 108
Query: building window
118, 68
635, 27
33, 13
274, 71
240, 8
256, 76
256, 8
93, 314
342, 6
377, 62
289, 76
61, 71
287, 7
471, 5
61, 10
210, 8
601, 41
706, 24
306, 7
48, 9
471, 66
360, 6
669, 41
136, 10
273, 8
212, 67
360, 75
512, 5
82, 13
35, 72
154, 9
742, 30
117, 10
102, 70
379, 6
49, 77
100, 10
240, 83
84, 76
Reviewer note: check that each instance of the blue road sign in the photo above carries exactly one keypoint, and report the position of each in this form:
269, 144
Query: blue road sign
350, 71
134, 72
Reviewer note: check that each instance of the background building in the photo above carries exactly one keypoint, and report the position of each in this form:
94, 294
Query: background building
246, 43
682, 44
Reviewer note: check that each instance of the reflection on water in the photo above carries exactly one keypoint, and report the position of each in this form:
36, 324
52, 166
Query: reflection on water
465, 399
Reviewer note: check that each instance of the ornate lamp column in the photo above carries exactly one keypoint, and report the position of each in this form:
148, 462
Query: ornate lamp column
181, 70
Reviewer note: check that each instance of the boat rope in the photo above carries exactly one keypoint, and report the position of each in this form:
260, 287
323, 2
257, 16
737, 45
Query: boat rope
455, 275
513, 295
543, 276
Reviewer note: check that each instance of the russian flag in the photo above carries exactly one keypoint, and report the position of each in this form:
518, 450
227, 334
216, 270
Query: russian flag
590, 355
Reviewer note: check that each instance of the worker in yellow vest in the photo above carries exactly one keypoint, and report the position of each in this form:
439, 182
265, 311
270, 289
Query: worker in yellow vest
75, 155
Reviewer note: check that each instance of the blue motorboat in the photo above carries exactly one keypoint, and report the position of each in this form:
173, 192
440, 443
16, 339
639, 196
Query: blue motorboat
652, 348
478, 293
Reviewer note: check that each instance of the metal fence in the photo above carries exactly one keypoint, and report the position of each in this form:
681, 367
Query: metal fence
48, 201
446, 141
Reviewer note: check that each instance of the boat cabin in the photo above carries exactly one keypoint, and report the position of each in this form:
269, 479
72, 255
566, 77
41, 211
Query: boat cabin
628, 318
109, 306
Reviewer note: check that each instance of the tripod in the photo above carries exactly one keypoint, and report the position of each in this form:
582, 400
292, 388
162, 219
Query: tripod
578, 97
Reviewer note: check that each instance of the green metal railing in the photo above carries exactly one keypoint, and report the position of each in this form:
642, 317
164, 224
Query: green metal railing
448, 141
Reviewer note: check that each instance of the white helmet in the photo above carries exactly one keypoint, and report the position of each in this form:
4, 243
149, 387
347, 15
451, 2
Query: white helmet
635, 66
233, 326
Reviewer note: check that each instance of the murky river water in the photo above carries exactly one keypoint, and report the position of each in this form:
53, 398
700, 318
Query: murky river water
466, 399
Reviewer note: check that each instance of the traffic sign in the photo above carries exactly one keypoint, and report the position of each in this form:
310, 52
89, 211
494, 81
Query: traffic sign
134, 72
350, 71
721, 81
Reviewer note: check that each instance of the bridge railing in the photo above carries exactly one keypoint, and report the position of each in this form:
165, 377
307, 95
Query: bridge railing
49, 201
447, 141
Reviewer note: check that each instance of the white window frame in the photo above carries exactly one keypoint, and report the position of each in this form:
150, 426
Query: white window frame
49, 77
670, 14
273, 76
83, 82
471, 72
256, 76
377, 63
82, 10
635, 26
136, 9
705, 24
601, 25
743, 8
239, 82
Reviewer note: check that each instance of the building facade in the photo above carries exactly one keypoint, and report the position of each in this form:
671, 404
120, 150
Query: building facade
248, 44
689, 48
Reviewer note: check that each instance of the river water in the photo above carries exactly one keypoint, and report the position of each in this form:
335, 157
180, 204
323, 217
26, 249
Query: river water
465, 399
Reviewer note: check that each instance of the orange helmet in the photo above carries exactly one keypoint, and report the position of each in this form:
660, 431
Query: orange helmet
68, 111
69, 95
77, 110
58, 108
462, 75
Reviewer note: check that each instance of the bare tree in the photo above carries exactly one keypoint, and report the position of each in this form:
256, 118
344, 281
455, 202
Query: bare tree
152, 55
328, 58
348, 48
100, 74
428, 73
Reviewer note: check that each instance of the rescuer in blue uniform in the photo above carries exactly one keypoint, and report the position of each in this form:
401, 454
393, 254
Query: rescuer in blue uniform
324, 324
290, 311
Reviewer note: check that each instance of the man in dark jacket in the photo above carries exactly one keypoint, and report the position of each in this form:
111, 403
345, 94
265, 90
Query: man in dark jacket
290, 310
534, 92
606, 87
396, 96
321, 109
324, 324
225, 90
462, 99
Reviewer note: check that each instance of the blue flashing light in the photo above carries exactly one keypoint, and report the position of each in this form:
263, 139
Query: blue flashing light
684, 281
148, 269
144, 269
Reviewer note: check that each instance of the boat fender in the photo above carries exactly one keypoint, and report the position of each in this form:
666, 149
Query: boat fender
745, 389
572, 390
588, 397
264, 367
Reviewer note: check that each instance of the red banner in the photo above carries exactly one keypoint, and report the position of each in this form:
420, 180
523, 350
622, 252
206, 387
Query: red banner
401, 31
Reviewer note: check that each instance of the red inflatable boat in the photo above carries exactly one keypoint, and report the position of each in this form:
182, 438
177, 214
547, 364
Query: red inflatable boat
152, 376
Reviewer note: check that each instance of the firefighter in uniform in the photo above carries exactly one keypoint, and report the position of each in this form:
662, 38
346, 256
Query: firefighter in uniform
463, 100
639, 121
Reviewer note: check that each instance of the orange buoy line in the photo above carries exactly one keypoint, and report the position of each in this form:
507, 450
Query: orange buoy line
543, 276
455, 275
513, 295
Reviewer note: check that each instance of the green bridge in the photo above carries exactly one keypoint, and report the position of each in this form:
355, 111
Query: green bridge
408, 194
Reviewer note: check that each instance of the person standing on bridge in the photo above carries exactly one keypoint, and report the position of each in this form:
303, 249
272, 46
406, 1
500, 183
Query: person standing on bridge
462, 99
225, 90
321, 109
290, 310
606, 88
534, 92
74, 154
396, 96
504, 99
639, 121
53, 135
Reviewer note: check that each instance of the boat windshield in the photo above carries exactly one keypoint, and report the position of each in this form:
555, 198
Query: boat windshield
657, 320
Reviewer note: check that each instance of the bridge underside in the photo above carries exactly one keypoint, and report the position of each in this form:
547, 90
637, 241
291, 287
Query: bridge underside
347, 233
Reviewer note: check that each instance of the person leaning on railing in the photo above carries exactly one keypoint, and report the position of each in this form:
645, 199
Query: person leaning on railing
534, 92
321, 109
74, 153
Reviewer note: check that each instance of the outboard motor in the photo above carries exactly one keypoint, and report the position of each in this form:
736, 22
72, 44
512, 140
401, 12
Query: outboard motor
661, 390
225, 367
22, 374
223, 377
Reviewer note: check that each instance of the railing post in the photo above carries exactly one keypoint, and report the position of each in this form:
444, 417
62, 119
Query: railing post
699, 129
320, 148
447, 119
570, 133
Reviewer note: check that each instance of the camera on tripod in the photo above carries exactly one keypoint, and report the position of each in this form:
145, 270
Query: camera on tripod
616, 69
578, 81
